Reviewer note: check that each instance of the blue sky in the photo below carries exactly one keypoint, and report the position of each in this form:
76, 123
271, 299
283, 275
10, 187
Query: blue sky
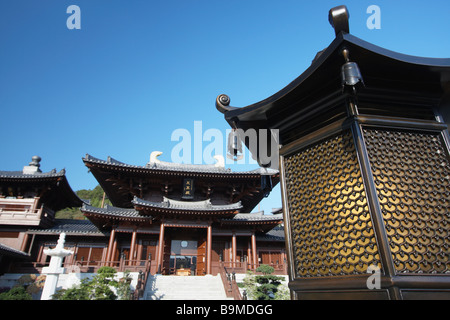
138, 69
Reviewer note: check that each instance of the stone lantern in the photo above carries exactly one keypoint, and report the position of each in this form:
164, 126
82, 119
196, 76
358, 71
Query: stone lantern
55, 268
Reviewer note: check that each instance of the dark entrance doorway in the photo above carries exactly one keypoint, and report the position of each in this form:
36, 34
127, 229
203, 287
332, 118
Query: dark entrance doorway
183, 257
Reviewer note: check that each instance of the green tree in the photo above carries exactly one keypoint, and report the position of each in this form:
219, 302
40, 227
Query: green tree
95, 197
263, 287
249, 284
27, 285
100, 287
16, 293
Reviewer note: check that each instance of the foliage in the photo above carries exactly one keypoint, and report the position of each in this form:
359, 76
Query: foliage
27, 285
69, 213
249, 284
16, 293
123, 287
102, 286
106, 272
32, 282
264, 287
265, 269
95, 197
282, 293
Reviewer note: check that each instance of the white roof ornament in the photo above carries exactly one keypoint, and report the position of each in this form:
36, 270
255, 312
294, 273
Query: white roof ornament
154, 155
220, 161
33, 166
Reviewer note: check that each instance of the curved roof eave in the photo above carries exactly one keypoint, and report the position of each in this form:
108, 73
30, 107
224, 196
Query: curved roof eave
257, 110
174, 205
190, 169
57, 178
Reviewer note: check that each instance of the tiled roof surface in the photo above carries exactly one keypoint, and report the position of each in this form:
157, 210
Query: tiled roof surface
112, 211
170, 166
276, 234
86, 227
187, 205
8, 251
70, 227
257, 216
35, 175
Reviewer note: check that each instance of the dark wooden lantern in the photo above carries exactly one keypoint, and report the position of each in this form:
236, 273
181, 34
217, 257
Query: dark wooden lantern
365, 171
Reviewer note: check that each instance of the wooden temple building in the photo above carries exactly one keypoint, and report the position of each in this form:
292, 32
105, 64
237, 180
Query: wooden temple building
29, 200
165, 218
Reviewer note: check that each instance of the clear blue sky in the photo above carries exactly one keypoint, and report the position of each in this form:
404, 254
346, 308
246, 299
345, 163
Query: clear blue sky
138, 70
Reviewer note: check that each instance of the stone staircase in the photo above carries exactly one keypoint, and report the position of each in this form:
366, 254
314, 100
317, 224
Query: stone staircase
207, 287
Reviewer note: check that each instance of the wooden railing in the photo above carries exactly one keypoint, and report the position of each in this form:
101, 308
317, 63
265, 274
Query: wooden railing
25, 210
229, 283
120, 266
85, 266
142, 282
242, 267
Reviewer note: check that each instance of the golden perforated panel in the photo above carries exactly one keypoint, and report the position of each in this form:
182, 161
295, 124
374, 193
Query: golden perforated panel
331, 228
412, 176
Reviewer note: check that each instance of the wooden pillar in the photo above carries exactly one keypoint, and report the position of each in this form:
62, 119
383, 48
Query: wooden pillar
109, 252
249, 255
233, 250
103, 200
254, 250
160, 248
23, 247
132, 247
139, 250
208, 249
31, 243
113, 251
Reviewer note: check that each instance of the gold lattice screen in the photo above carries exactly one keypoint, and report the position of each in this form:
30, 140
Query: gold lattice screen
412, 175
332, 231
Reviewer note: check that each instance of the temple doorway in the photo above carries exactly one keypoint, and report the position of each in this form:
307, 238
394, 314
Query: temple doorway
183, 257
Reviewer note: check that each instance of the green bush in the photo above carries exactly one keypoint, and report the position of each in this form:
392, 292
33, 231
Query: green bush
98, 288
16, 293
263, 287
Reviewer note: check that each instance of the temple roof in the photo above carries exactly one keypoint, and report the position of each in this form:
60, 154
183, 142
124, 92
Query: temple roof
155, 163
11, 252
256, 216
259, 220
275, 234
176, 205
186, 169
225, 214
112, 211
53, 187
99, 216
399, 83
175, 208
70, 227
122, 182
21, 176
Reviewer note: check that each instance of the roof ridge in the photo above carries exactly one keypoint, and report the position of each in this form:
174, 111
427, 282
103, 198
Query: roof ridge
173, 166
186, 205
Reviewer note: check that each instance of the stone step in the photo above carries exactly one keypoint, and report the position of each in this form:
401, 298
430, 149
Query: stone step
207, 287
